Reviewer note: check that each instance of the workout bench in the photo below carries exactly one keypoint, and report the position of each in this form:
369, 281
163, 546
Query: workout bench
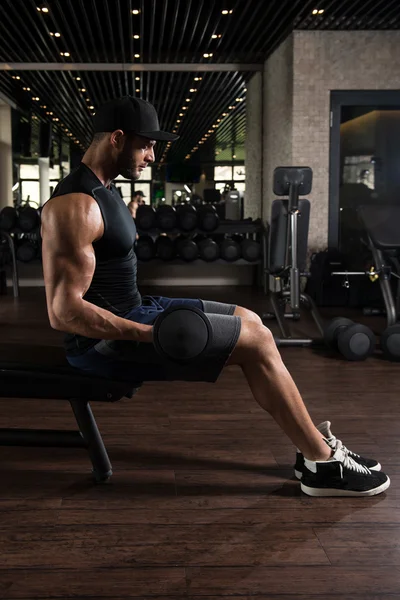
44, 373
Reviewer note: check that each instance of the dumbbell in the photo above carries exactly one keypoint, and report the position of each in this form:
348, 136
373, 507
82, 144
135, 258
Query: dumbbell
230, 249
165, 248
354, 341
145, 217
182, 334
390, 343
208, 217
8, 218
186, 248
208, 248
27, 250
28, 218
145, 248
166, 217
187, 217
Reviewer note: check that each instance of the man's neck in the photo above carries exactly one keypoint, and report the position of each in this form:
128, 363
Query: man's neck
104, 172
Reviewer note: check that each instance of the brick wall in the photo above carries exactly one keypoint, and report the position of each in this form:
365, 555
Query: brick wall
322, 61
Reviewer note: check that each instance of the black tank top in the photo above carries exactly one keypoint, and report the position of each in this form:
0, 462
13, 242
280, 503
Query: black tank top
114, 283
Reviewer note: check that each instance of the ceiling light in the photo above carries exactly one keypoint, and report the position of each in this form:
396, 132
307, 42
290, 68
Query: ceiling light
87, 99
225, 12
77, 78
136, 37
45, 10
181, 114
43, 107
135, 11
91, 107
207, 55
36, 98
51, 33
137, 55
83, 89
178, 120
57, 34
230, 108
224, 114
137, 78
192, 90
184, 107
15, 76
187, 99
321, 12
216, 36
137, 91
198, 78
233, 155
26, 89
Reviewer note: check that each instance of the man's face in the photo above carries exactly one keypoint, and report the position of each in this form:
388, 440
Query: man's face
137, 152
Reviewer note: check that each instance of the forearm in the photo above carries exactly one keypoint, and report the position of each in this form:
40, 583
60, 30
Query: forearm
89, 320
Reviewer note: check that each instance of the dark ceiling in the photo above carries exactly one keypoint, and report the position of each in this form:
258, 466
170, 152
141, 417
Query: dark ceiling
242, 32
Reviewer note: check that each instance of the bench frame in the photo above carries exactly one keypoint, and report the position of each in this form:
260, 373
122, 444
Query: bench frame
65, 384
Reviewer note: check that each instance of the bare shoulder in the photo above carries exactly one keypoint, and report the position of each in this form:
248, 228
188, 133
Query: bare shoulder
72, 216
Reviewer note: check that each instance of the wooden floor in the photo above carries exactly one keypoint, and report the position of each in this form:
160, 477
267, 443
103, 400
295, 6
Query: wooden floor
203, 503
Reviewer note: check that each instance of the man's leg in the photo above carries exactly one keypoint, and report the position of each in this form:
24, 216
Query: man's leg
273, 387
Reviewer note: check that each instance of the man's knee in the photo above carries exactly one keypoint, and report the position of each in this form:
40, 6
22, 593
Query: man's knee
256, 343
247, 315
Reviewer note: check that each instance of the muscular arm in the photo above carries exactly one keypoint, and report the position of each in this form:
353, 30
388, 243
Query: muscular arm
70, 225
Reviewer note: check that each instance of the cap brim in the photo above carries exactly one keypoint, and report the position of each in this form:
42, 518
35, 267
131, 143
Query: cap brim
159, 136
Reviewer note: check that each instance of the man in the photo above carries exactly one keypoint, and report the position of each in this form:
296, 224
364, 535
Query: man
92, 295
137, 200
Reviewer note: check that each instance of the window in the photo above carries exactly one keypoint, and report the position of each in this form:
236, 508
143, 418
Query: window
54, 173
223, 173
30, 189
29, 171
125, 190
239, 173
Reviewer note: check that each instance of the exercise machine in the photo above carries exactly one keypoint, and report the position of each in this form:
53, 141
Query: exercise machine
287, 254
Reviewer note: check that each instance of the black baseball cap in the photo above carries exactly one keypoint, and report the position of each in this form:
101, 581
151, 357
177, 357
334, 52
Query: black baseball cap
139, 193
131, 115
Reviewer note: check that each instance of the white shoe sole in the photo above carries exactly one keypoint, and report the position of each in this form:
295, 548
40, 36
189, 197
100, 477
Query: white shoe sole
377, 467
337, 492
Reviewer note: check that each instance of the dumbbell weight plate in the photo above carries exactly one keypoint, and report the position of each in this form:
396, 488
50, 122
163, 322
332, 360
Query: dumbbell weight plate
145, 248
145, 217
230, 250
166, 217
333, 329
182, 334
390, 343
251, 250
208, 249
357, 342
208, 217
187, 217
165, 248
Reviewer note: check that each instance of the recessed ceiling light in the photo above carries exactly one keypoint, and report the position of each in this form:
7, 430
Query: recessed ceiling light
224, 114
137, 91
178, 120
181, 114
135, 11
83, 89
45, 9
184, 107
187, 99
91, 107
137, 78
192, 90
136, 37
207, 55
230, 108
77, 78
321, 12
137, 55
57, 34
225, 12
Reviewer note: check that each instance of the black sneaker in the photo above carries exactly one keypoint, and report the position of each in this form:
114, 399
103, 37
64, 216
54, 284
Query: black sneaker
341, 476
331, 440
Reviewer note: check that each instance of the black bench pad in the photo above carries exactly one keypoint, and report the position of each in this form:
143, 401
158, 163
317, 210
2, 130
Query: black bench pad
382, 223
31, 371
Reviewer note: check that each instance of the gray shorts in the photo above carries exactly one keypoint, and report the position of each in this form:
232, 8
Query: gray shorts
138, 362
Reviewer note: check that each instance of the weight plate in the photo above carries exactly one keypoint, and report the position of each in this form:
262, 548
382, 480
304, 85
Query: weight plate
390, 343
357, 342
333, 329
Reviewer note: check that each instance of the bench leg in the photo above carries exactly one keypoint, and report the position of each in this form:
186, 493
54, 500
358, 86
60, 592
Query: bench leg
102, 469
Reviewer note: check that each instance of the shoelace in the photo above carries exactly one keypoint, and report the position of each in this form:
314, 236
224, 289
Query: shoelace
333, 441
349, 462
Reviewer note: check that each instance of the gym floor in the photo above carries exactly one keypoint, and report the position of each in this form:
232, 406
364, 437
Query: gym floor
203, 502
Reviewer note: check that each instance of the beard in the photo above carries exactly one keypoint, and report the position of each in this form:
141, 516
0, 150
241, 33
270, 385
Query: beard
130, 172
127, 166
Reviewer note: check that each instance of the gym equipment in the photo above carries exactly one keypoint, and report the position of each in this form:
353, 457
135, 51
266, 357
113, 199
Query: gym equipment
287, 254
145, 217
208, 217
6, 239
186, 248
182, 334
27, 250
381, 234
166, 218
233, 206
208, 248
251, 250
354, 341
230, 250
145, 248
390, 343
28, 218
165, 248
8, 218
187, 217
43, 372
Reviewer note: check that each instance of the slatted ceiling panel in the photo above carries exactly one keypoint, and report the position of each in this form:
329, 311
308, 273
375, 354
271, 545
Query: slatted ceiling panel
169, 31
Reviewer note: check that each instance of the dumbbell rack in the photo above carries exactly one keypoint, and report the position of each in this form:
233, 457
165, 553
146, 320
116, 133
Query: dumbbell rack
225, 227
